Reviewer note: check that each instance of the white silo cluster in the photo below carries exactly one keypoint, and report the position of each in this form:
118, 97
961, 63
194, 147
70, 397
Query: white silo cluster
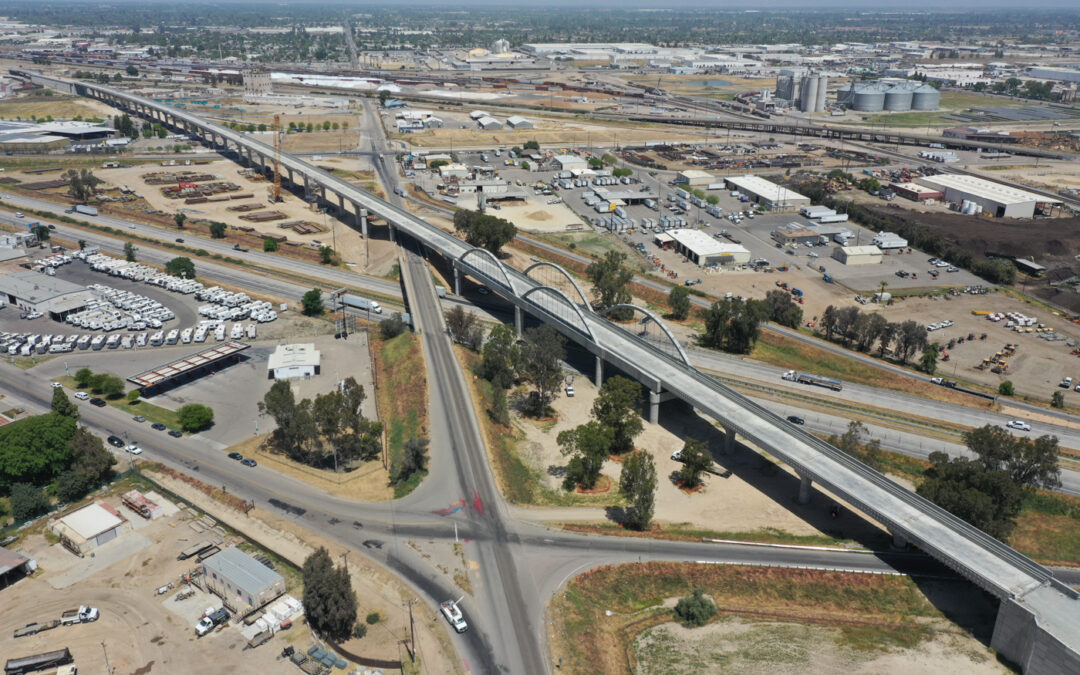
889, 95
802, 89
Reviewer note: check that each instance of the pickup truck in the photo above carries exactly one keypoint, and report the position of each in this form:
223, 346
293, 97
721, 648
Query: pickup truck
211, 621
83, 614
240, 248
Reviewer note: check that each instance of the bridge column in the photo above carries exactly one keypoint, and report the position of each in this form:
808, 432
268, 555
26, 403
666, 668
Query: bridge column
392, 237
307, 187
457, 291
362, 217
729, 439
598, 375
519, 315
899, 540
804, 490
654, 407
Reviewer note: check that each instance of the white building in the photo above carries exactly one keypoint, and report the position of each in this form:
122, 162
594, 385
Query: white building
767, 193
1000, 201
32, 291
695, 177
292, 361
489, 123
703, 250
570, 162
91, 526
256, 82
500, 46
858, 255
453, 170
518, 122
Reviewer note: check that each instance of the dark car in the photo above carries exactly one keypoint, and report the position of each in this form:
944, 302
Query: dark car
99, 402
795, 420
235, 455
248, 462
158, 426
115, 441
175, 433
179, 240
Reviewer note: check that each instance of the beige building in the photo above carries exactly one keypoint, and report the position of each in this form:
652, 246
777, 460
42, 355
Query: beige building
858, 255
91, 526
695, 178
256, 82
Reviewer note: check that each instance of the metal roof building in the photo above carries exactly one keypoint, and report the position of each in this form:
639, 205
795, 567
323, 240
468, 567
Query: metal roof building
768, 193
489, 123
42, 293
91, 526
858, 255
189, 367
241, 581
518, 122
292, 361
704, 250
999, 200
568, 162
695, 177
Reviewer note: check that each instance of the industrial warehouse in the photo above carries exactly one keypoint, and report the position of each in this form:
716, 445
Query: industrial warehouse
1000, 201
767, 193
35, 292
703, 250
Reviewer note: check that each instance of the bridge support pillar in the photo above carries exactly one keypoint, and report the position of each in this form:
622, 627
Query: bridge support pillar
898, 540
729, 439
363, 221
519, 315
392, 236
804, 490
307, 187
457, 290
598, 375
654, 407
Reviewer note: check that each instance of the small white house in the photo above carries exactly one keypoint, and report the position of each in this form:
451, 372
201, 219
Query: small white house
289, 362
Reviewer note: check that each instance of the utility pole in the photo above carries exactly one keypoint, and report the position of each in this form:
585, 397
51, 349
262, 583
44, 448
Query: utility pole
108, 668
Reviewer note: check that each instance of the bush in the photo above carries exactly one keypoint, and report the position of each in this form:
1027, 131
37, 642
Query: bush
359, 631
1006, 388
195, 417
373, 618
312, 302
695, 609
392, 327
28, 502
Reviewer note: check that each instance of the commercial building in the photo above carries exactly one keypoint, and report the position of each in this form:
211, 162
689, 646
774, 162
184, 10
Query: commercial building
454, 170
703, 250
858, 255
36, 292
980, 134
998, 200
31, 143
489, 123
518, 122
292, 361
767, 193
570, 162
795, 234
91, 526
13, 566
915, 192
242, 582
694, 178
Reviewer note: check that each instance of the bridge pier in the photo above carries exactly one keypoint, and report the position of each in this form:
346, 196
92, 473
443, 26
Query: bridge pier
457, 291
393, 238
899, 540
598, 375
654, 407
804, 490
519, 315
729, 439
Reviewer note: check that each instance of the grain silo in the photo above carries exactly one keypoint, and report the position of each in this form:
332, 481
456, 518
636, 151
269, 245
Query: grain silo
808, 93
868, 97
925, 98
898, 96
822, 86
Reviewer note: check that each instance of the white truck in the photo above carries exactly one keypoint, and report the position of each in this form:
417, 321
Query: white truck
211, 620
453, 615
356, 302
83, 614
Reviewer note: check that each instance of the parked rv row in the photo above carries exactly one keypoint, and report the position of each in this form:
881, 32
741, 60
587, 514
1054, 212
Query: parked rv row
120, 310
227, 306
27, 344
117, 267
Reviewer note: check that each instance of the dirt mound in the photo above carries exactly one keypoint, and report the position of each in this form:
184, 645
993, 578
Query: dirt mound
538, 215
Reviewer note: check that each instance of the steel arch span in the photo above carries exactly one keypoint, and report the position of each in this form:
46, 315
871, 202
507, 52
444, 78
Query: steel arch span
655, 319
483, 252
544, 263
563, 299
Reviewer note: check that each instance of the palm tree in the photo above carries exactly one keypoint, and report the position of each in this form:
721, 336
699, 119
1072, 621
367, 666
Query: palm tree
882, 296
180, 217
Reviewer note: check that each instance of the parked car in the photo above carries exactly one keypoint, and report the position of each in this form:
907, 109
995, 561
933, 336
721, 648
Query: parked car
99, 402
82, 395
235, 455
115, 441
175, 433
1019, 425
139, 418
56, 385
134, 449
158, 426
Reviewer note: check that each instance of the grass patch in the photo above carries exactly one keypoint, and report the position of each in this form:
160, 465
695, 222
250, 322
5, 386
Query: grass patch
402, 397
875, 612
153, 413
28, 362
687, 532
1048, 528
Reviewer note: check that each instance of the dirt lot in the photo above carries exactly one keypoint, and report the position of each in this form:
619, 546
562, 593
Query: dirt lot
756, 495
60, 107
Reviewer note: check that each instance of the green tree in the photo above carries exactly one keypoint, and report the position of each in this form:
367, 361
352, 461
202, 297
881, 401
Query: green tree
713, 200
270, 244
392, 326
695, 458
464, 327
1006, 388
616, 408
312, 302
112, 386
732, 325
1057, 399
62, 405
910, 339
181, 267
310, 127
326, 255
133, 395
82, 244
500, 357
637, 483
132, 71
195, 417
782, 309
180, 218
83, 377
695, 609
411, 461
483, 230
525, 166
91, 465
679, 300
217, 230
541, 354
928, 360
610, 280
41, 232
532, 145
384, 96
1028, 462
28, 501
587, 445
372, 618
988, 500
329, 602
129, 251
